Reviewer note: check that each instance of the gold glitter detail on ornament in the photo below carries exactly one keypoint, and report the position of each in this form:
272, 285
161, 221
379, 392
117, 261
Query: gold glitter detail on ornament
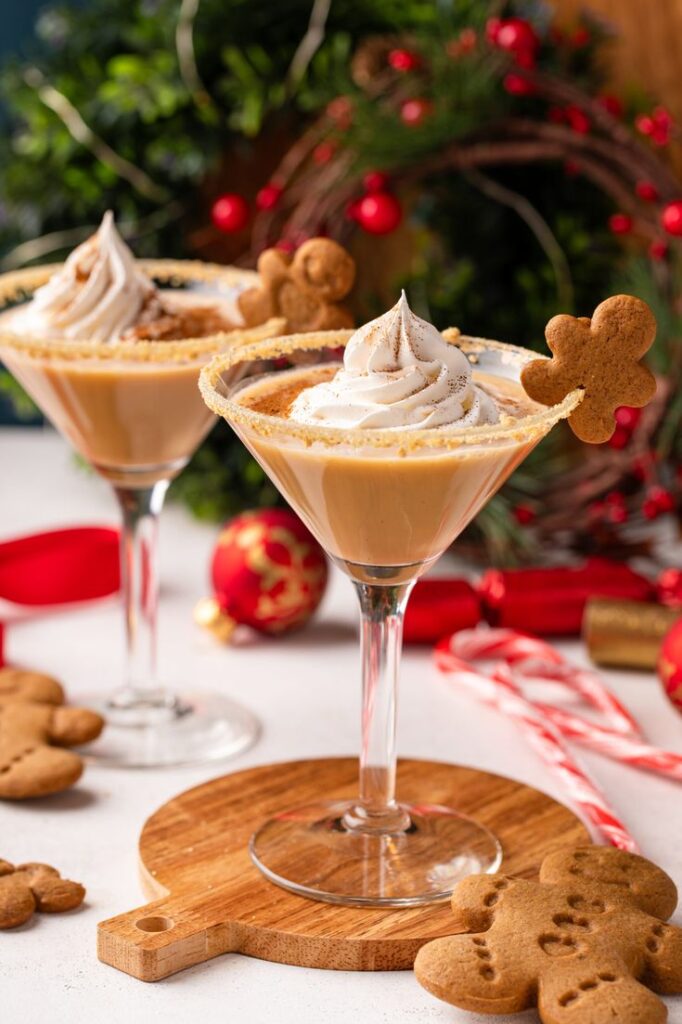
292, 603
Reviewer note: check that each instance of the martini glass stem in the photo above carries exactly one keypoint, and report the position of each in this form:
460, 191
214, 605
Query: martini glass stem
140, 508
381, 632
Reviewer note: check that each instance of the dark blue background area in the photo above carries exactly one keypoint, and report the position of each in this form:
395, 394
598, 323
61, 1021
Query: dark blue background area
17, 18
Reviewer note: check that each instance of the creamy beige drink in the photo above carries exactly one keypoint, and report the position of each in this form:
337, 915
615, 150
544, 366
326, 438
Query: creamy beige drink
134, 411
387, 457
390, 506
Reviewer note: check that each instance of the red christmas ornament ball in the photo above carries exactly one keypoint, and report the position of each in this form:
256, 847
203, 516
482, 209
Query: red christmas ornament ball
670, 665
230, 212
268, 571
647, 191
516, 35
404, 60
620, 224
268, 197
413, 112
671, 218
379, 213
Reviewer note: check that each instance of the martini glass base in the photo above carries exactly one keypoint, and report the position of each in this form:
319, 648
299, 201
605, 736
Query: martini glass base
310, 851
181, 730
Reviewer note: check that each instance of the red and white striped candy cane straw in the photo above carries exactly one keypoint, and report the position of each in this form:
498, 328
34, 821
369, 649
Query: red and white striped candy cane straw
499, 690
534, 660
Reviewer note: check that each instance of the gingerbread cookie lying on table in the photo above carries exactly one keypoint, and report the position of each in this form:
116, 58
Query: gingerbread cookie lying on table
34, 729
586, 943
602, 357
305, 288
31, 887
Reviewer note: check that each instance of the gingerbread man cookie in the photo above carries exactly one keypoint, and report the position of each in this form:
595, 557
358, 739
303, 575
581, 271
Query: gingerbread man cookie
33, 726
305, 288
31, 887
587, 943
602, 357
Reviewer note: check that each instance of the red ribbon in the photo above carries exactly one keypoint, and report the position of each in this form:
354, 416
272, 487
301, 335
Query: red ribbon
547, 602
59, 567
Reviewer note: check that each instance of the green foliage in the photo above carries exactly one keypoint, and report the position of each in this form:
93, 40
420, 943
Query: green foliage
121, 68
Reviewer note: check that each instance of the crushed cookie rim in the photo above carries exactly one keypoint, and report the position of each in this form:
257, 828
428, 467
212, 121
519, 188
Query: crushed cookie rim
20, 285
354, 437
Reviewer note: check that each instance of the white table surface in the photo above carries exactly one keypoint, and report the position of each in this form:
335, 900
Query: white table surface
305, 690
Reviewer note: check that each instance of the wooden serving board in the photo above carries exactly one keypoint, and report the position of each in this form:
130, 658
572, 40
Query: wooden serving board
208, 898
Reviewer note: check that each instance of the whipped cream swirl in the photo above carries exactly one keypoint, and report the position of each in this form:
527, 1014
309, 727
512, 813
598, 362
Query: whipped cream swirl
96, 296
398, 371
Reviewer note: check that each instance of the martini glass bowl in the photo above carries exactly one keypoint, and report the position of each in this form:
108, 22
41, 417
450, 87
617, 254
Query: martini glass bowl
133, 411
384, 504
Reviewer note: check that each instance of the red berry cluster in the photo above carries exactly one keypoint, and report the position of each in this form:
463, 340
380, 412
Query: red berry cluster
627, 419
517, 37
658, 502
657, 126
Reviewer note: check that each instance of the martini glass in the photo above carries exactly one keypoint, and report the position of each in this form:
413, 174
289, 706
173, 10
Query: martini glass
385, 504
132, 409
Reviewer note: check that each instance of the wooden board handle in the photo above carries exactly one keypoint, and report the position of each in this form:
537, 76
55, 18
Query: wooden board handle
166, 936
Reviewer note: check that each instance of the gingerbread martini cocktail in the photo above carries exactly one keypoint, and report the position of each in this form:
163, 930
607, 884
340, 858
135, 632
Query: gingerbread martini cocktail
386, 457
110, 348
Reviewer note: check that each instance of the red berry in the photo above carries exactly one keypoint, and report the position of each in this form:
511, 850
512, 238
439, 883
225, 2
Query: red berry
577, 119
352, 209
580, 37
644, 124
413, 112
627, 416
619, 439
650, 510
658, 250
612, 104
524, 514
641, 468
340, 110
467, 40
657, 126
375, 181
663, 499
671, 217
404, 60
230, 212
620, 223
518, 85
323, 152
492, 29
615, 498
663, 125
647, 191
617, 514
268, 197
379, 213
285, 245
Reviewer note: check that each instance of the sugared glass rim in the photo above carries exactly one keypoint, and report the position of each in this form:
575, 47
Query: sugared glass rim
18, 285
404, 440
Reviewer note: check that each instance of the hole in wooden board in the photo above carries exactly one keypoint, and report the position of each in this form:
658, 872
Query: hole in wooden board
154, 924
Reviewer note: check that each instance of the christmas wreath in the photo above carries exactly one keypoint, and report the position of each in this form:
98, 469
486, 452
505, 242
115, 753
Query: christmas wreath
465, 151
